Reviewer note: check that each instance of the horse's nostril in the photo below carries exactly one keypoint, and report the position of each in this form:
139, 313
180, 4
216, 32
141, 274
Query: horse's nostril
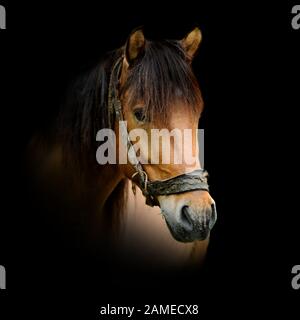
213, 212
213, 208
186, 218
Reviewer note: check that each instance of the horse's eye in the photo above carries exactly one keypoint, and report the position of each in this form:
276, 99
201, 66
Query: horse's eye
140, 115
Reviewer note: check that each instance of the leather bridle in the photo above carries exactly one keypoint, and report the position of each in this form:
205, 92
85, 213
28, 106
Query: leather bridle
195, 180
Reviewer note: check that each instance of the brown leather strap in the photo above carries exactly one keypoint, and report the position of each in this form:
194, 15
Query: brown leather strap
195, 180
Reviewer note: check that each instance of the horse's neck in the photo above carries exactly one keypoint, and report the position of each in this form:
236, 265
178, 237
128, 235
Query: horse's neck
53, 176
146, 234
108, 178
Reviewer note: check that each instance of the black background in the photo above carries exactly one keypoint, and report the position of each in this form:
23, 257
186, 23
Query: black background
248, 69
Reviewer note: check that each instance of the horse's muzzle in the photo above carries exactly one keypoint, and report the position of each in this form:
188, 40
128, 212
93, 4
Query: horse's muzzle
190, 223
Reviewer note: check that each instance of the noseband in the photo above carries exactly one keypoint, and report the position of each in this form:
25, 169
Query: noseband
195, 180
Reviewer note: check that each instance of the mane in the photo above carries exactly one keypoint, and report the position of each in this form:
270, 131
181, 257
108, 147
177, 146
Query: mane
84, 113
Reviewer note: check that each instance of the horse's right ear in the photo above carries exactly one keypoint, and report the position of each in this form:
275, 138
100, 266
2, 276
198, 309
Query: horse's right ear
191, 42
135, 45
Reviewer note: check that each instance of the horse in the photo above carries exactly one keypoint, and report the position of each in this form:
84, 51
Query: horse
149, 84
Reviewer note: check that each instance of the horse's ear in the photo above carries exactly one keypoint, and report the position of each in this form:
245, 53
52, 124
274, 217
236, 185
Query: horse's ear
191, 42
135, 45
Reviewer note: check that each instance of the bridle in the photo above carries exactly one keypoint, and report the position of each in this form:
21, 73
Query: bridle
195, 180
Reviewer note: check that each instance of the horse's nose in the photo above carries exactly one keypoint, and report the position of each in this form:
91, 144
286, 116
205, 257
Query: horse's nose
189, 217
198, 222
186, 219
213, 215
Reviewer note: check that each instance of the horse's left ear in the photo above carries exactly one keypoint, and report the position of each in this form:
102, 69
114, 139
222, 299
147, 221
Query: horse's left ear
135, 45
191, 42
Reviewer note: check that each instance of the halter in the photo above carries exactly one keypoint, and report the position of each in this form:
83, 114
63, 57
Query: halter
195, 180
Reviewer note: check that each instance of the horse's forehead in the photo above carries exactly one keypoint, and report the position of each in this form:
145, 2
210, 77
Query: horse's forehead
178, 93
179, 116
